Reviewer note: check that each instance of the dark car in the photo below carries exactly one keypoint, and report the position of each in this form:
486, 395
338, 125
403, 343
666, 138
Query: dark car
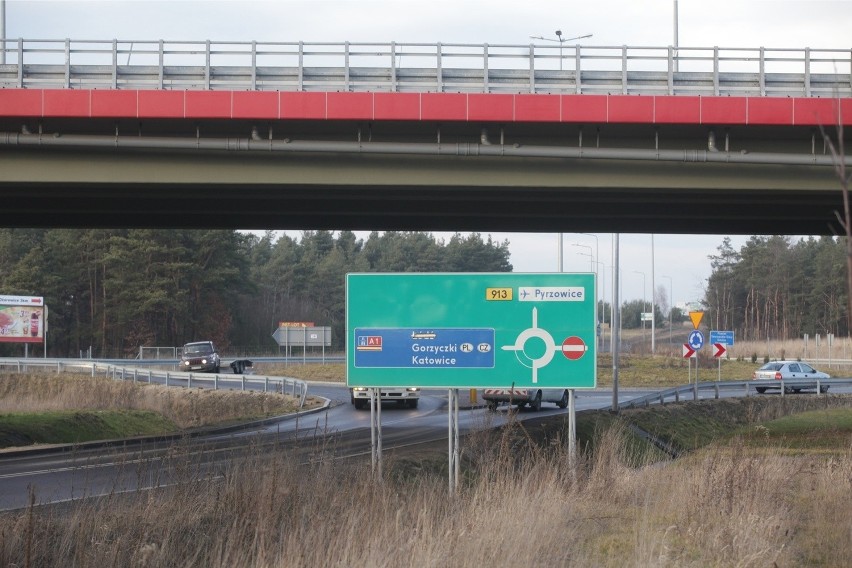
200, 356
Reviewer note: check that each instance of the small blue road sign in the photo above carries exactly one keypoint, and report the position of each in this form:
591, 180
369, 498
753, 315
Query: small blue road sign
696, 339
723, 337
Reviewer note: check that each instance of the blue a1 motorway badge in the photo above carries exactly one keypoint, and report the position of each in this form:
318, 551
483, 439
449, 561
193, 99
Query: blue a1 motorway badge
696, 339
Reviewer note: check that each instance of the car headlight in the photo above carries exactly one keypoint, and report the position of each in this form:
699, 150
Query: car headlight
359, 389
204, 361
412, 389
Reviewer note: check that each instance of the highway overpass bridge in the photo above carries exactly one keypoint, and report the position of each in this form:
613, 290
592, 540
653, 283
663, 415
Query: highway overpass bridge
421, 137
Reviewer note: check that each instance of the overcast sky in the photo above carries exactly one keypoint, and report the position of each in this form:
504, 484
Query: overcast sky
701, 23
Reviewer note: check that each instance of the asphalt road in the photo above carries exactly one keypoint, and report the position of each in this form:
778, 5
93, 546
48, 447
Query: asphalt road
61, 474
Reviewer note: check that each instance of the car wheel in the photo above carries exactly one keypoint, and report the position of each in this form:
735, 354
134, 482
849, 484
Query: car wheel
360, 404
788, 390
563, 402
760, 390
823, 389
412, 403
491, 405
536, 403
797, 391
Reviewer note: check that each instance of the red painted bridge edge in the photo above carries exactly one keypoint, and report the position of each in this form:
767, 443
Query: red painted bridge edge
461, 107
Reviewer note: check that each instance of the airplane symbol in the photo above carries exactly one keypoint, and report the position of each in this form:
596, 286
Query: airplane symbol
524, 293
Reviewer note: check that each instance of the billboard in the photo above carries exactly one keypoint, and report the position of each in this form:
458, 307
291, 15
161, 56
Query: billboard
22, 319
472, 330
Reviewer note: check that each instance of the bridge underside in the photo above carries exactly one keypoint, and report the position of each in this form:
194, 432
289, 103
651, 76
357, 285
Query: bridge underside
470, 194
46, 184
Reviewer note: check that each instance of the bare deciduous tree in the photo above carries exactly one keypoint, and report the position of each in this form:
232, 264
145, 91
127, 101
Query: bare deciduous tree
838, 155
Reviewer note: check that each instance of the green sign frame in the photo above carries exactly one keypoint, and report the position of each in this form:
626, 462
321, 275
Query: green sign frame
471, 330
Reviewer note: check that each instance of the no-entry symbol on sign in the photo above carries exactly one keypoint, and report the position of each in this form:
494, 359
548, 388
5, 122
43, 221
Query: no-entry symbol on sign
574, 347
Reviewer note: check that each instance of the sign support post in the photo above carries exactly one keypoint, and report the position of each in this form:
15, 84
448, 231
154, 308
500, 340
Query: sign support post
453, 439
695, 384
689, 371
376, 431
572, 432
696, 341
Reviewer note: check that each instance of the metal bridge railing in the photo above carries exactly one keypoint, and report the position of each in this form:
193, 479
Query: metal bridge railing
282, 385
421, 67
744, 388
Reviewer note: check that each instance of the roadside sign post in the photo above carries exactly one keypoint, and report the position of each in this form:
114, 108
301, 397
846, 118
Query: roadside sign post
471, 331
453, 439
720, 340
689, 354
695, 342
719, 351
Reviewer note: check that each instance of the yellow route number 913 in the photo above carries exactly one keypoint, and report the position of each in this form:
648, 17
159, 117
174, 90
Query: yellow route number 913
498, 294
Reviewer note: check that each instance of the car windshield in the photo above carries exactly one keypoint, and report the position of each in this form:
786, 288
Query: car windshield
197, 349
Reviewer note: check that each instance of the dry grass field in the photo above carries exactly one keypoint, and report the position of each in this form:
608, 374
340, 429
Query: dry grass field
761, 494
729, 504
178, 409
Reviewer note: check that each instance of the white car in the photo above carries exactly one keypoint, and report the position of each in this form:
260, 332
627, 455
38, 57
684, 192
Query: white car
795, 375
404, 397
534, 397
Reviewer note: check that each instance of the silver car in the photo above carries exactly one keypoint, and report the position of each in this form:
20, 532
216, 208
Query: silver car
794, 375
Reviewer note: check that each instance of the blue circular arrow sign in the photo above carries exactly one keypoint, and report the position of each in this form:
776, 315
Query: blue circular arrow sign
696, 340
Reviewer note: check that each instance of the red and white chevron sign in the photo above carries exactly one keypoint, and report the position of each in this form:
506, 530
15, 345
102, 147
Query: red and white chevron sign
688, 351
719, 350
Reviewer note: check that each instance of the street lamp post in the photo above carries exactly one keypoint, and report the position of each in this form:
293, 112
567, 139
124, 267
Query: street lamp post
599, 303
653, 303
561, 40
597, 253
671, 306
2, 32
590, 255
644, 297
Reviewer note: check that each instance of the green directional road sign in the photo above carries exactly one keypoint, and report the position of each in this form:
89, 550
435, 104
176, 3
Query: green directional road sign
472, 330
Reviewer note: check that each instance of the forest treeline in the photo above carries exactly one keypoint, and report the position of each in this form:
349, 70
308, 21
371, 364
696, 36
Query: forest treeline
779, 288
115, 290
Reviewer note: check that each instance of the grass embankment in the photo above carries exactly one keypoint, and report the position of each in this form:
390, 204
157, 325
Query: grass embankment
68, 408
741, 500
72, 426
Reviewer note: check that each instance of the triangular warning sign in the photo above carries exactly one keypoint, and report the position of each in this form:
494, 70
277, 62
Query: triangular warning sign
696, 318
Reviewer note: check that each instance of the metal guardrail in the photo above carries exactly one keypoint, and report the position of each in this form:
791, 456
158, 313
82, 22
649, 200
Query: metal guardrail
282, 385
424, 67
675, 394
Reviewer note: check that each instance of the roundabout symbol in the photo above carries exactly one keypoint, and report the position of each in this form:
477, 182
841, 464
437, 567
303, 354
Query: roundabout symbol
696, 340
572, 347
